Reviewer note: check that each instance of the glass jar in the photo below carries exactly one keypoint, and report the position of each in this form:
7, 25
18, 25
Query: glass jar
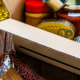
36, 11
71, 13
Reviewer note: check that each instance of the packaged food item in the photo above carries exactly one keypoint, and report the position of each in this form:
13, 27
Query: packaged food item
11, 74
22, 69
5, 63
3, 11
58, 26
72, 14
36, 11
55, 4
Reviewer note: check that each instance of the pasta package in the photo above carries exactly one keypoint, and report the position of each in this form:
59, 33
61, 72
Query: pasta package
11, 74
11, 68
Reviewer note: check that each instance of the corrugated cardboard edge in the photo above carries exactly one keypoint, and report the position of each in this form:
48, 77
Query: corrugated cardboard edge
46, 54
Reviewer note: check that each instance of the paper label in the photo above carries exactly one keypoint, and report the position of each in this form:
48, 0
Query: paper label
73, 14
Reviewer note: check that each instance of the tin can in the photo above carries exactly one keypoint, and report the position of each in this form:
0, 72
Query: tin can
58, 26
55, 4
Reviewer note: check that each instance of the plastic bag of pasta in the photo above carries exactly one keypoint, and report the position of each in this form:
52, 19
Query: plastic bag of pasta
9, 59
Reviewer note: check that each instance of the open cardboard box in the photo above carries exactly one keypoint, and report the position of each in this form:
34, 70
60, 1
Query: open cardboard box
41, 44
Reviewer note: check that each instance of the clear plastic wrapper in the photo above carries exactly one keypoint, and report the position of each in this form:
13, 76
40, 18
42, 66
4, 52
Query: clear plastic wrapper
5, 63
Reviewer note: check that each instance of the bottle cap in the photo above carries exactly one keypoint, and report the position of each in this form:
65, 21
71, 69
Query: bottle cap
36, 6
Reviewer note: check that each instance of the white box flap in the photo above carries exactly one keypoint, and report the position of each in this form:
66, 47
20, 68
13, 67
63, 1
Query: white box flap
41, 37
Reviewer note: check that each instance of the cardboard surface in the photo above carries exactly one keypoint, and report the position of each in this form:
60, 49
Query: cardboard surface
15, 8
44, 45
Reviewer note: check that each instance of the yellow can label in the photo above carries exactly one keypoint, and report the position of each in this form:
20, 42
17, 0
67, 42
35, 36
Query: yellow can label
58, 26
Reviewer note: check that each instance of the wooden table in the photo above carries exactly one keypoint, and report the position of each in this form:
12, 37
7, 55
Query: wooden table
6, 41
46, 70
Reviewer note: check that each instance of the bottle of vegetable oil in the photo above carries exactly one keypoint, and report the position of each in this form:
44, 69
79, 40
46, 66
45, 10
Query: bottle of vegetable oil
3, 11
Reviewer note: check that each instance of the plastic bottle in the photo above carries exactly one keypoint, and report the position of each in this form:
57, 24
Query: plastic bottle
36, 11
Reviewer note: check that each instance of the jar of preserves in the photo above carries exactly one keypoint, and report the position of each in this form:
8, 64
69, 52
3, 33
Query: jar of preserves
36, 11
71, 13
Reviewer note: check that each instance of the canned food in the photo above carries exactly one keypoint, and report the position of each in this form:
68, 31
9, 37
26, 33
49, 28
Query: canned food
55, 4
58, 26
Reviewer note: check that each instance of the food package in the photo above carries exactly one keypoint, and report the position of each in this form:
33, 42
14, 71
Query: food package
58, 26
9, 59
11, 74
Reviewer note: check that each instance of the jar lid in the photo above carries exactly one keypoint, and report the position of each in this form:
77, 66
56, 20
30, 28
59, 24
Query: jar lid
36, 6
72, 7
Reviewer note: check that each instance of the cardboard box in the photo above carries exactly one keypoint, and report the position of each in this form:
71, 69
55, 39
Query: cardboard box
44, 45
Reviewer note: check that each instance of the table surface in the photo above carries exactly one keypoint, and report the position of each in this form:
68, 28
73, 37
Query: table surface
48, 71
